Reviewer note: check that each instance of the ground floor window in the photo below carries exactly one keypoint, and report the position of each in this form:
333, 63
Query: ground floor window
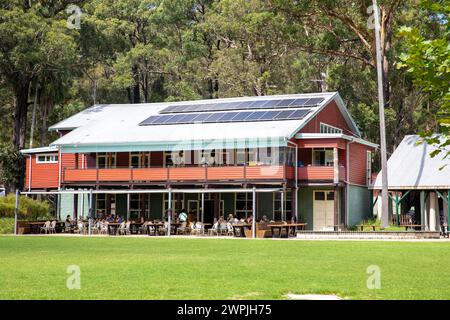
139, 206
101, 204
243, 205
277, 205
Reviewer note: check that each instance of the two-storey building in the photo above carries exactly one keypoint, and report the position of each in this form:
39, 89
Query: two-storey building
303, 153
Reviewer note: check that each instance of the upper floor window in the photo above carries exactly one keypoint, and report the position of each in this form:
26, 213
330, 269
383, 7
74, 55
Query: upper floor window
139, 159
174, 159
47, 158
322, 157
106, 160
326, 128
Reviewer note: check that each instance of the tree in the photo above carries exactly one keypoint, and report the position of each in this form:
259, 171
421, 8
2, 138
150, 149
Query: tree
427, 60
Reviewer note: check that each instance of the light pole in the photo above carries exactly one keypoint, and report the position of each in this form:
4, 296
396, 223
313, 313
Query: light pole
384, 174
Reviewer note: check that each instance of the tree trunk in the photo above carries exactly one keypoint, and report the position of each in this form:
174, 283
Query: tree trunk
136, 91
20, 116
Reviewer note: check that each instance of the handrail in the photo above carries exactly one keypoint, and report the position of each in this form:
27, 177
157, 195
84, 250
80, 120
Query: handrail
131, 174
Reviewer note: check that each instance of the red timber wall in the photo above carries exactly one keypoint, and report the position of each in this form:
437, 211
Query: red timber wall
43, 175
330, 115
358, 161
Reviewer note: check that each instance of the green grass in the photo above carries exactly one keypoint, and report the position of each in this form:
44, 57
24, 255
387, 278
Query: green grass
157, 268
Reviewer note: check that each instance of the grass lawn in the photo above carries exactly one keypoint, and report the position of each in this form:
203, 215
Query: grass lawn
158, 268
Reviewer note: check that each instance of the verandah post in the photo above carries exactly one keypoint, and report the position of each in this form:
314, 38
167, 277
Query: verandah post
448, 209
203, 210
90, 211
254, 213
422, 209
169, 212
16, 211
396, 209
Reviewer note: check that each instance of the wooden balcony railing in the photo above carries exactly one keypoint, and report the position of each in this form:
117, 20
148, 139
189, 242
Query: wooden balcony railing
319, 173
225, 173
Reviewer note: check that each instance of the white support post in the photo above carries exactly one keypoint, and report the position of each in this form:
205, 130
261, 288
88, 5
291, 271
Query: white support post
282, 205
169, 212
90, 211
128, 206
433, 215
254, 213
203, 211
336, 165
16, 211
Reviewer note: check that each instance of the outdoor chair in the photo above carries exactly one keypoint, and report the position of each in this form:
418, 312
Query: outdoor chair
124, 228
183, 229
197, 228
103, 227
45, 227
52, 228
151, 231
230, 231
214, 231
223, 229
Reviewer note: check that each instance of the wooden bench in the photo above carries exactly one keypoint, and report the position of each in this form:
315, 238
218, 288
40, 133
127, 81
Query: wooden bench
370, 226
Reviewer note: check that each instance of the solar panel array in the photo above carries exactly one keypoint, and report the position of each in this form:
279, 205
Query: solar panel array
221, 117
245, 105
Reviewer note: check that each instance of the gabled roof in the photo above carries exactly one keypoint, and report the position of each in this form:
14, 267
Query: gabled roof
411, 167
102, 127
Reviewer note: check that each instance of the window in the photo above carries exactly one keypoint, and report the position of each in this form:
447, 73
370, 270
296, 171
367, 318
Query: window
243, 204
47, 158
240, 156
277, 205
322, 157
324, 195
174, 159
369, 168
139, 159
106, 160
326, 128
101, 203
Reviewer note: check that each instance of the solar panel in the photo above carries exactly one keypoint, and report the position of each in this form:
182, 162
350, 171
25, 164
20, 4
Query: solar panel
285, 103
218, 117
244, 105
227, 116
214, 117
314, 101
284, 114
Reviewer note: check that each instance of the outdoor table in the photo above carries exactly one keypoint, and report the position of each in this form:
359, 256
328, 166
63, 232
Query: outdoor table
287, 226
134, 227
238, 229
35, 226
112, 228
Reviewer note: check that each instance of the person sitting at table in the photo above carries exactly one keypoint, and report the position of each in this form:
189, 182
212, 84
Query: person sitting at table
119, 219
264, 219
68, 224
249, 219
183, 218
109, 218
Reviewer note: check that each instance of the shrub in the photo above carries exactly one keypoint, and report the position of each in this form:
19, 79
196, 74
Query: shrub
6, 225
28, 208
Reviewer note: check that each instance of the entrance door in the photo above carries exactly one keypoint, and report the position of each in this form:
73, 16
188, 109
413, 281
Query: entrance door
323, 211
193, 208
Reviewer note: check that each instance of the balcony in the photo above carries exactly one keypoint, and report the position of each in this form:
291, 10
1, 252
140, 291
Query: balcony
320, 173
177, 174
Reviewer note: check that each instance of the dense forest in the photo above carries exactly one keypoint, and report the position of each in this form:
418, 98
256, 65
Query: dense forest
58, 57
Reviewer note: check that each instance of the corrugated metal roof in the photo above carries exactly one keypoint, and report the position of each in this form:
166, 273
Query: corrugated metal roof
114, 125
412, 167
39, 150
